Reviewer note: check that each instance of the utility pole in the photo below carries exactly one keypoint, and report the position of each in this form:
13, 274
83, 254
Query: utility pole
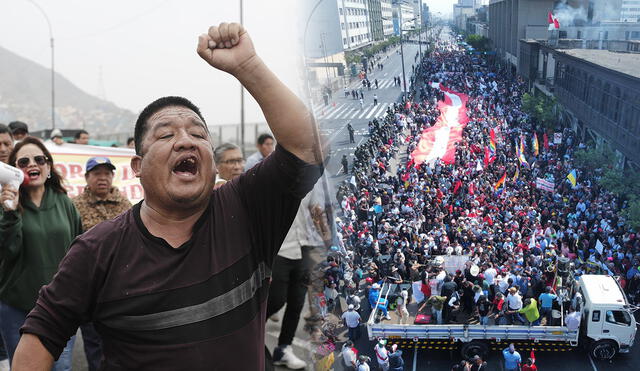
242, 96
53, 71
404, 79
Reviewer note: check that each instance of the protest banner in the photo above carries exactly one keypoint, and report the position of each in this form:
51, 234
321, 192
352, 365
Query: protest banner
557, 138
544, 185
70, 161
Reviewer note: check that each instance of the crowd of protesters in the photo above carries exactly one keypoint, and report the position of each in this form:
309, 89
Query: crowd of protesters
396, 217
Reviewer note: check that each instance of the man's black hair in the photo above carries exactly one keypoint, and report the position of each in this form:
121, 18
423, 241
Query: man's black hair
263, 137
4, 129
129, 140
155, 106
79, 133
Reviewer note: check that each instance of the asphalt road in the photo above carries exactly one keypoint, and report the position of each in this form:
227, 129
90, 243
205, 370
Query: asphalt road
334, 117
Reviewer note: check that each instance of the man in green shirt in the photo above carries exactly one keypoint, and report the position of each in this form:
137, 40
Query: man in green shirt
436, 303
530, 311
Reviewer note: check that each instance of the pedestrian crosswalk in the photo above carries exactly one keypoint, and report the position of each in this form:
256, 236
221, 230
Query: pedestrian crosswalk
350, 110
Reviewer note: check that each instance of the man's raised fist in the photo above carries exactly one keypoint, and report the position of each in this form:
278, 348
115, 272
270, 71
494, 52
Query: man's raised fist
227, 47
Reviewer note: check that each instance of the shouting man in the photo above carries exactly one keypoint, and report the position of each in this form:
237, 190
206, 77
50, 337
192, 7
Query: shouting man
180, 281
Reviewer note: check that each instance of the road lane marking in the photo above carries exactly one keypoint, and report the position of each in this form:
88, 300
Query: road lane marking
593, 365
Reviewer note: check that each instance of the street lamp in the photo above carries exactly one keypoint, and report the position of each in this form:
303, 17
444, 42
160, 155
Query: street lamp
53, 73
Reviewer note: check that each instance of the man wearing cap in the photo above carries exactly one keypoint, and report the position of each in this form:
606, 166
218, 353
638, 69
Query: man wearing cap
56, 137
19, 130
100, 201
351, 320
382, 355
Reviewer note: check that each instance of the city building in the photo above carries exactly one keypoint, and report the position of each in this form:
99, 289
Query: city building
323, 46
403, 16
354, 23
513, 20
630, 11
599, 90
425, 14
375, 20
387, 17
463, 10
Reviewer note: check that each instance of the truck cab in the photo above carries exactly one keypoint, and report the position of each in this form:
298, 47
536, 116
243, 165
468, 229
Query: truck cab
608, 325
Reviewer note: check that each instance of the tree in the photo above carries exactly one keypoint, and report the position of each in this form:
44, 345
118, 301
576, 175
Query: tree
542, 109
479, 43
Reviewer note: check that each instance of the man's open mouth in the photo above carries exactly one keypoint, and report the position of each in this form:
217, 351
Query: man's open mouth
186, 166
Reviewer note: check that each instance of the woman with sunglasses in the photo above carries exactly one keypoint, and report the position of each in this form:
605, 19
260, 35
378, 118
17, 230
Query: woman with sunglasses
37, 226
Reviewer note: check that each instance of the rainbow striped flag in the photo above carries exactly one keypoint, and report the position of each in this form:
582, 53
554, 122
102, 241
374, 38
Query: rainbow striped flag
535, 145
517, 173
520, 152
501, 181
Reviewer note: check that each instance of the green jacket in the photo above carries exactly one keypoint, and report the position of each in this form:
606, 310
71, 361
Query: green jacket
32, 244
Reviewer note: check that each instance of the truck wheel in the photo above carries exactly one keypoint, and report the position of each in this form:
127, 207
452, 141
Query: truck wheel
603, 350
474, 348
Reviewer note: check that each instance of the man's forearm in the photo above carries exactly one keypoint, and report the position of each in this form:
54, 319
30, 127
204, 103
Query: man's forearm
31, 355
289, 119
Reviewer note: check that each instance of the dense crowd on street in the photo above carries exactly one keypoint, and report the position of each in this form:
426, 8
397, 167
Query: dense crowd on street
398, 220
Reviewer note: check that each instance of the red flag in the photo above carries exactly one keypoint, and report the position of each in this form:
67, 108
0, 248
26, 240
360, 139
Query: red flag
457, 186
492, 135
471, 191
556, 23
545, 141
549, 18
486, 156
533, 356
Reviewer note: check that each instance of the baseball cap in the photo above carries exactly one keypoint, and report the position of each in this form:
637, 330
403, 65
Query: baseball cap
55, 133
350, 307
97, 161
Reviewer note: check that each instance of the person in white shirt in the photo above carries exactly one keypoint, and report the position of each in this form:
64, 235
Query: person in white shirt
265, 145
309, 231
382, 354
363, 363
349, 356
573, 320
401, 307
514, 304
351, 320
489, 274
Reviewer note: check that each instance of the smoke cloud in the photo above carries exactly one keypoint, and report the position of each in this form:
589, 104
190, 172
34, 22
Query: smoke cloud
569, 16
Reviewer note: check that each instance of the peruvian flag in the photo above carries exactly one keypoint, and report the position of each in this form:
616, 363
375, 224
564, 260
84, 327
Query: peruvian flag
553, 22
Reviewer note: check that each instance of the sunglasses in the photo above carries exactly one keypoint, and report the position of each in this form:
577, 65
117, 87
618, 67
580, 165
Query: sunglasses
25, 161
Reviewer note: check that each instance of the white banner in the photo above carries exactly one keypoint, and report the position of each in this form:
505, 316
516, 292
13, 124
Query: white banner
544, 185
70, 161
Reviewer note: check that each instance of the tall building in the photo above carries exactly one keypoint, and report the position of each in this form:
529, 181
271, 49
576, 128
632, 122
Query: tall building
425, 14
630, 11
461, 11
354, 23
387, 17
512, 20
598, 89
375, 19
403, 17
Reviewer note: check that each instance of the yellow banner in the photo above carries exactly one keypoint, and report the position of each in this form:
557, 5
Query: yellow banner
70, 161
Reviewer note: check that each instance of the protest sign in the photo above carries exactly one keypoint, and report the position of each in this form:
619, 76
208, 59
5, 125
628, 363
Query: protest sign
70, 161
544, 185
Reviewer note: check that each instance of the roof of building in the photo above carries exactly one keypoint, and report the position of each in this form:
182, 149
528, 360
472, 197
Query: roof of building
627, 63
599, 289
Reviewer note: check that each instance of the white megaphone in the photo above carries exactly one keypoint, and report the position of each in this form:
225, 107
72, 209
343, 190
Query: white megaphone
11, 176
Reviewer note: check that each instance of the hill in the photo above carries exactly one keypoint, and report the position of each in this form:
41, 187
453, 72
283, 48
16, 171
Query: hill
25, 95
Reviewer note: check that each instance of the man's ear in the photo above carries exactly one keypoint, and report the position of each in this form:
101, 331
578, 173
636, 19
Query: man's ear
136, 165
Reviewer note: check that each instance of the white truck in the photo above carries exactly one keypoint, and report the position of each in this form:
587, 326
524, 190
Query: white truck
607, 327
